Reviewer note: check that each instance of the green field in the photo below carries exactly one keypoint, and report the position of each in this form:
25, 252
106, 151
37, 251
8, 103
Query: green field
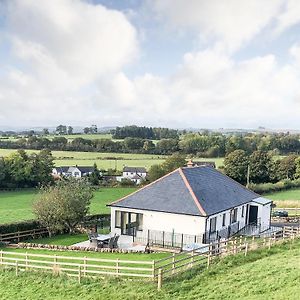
17, 206
264, 274
103, 160
285, 199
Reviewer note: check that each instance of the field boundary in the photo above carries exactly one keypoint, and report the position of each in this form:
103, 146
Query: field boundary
155, 270
18, 235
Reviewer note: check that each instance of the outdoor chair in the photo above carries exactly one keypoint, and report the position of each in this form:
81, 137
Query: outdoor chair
115, 242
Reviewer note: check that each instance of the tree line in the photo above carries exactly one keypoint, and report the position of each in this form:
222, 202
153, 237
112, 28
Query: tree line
196, 144
21, 170
156, 133
261, 167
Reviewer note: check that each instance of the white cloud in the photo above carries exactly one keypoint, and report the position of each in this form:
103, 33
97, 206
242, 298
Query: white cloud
289, 16
231, 22
60, 49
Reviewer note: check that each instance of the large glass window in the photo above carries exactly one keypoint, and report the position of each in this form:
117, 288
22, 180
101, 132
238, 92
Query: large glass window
224, 220
233, 216
118, 219
213, 224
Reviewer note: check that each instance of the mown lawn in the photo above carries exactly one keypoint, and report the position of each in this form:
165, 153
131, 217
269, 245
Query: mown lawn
264, 274
17, 206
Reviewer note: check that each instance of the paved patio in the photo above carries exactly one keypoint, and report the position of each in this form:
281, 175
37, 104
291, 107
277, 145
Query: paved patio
124, 242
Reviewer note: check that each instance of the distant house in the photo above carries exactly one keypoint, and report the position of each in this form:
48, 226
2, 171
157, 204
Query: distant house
135, 174
75, 171
192, 204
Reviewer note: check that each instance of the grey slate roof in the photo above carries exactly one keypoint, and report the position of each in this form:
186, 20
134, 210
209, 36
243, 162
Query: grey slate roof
134, 169
185, 189
169, 194
215, 191
85, 169
62, 169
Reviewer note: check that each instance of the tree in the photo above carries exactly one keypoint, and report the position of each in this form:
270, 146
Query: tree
70, 130
287, 167
260, 167
95, 177
45, 131
155, 172
63, 205
61, 129
173, 162
236, 165
86, 130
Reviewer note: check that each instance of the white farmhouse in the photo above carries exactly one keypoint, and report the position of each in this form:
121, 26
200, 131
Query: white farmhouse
75, 171
194, 204
135, 174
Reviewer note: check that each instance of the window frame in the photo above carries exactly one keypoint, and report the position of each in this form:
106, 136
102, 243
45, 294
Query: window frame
213, 225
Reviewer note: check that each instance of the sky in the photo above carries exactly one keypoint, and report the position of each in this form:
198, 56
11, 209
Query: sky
172, 63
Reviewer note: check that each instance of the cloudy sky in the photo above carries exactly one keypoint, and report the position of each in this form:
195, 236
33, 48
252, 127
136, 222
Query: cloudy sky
174, 63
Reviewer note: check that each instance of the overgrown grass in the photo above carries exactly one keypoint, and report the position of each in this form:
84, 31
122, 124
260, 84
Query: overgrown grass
17, 205
263, 274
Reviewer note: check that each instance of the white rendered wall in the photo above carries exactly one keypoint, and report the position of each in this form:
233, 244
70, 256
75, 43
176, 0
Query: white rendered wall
152, 220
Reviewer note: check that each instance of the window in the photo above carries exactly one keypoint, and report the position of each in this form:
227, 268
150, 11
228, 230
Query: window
139, 221
118, 219
213, 224
233, 215
243, 211
224, 220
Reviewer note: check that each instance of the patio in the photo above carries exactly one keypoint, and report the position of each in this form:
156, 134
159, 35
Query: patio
124, 243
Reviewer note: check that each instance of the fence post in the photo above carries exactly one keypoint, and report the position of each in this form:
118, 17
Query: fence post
208, 257
159, 279
84, 266
79, 274
26, 261
192, 258
153, 269
17, 268
1, 257
117, 267
173, 263
246, 249
18, 236
270, 240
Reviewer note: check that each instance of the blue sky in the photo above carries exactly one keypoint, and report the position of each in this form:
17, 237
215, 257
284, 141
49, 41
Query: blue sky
175, 63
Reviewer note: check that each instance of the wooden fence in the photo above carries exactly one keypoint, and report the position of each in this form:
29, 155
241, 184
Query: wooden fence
157, 270
202, 257
76, 266
21, 235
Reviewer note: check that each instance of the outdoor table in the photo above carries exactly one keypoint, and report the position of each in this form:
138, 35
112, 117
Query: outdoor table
103, 237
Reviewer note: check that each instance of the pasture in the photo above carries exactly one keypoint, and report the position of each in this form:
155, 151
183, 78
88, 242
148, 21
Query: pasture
285, 199
263, 274
103, 160
17, 205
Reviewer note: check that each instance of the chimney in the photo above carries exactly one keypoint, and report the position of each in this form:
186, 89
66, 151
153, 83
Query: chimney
190, 163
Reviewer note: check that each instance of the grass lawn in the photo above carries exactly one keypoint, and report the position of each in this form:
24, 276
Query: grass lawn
17, 206
264, 274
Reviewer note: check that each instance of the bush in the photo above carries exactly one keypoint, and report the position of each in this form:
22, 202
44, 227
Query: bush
264, 188
19, 226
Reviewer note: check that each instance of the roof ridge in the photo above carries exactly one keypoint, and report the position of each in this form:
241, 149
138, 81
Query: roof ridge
187, 184
142, 188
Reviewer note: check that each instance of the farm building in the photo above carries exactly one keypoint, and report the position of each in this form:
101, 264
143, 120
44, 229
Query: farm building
196, 203
75, 171
135, 174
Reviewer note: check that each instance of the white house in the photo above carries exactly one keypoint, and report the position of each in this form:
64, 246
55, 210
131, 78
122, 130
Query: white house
198, 204
75, 171
135, 174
